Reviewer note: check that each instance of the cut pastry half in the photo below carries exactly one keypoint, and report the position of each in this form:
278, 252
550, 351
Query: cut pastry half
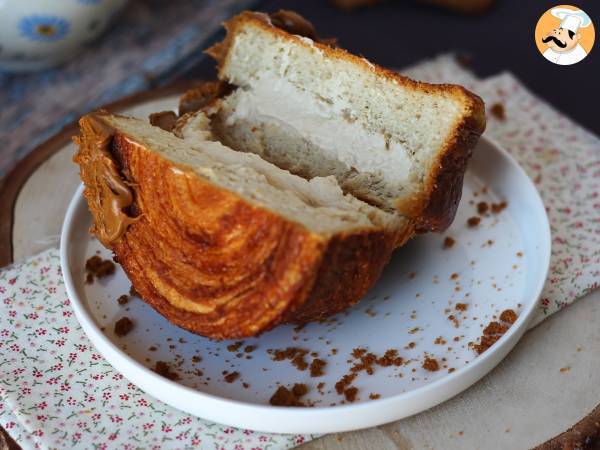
224, 243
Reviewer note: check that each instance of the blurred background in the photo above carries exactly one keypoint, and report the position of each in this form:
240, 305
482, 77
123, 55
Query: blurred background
107, 49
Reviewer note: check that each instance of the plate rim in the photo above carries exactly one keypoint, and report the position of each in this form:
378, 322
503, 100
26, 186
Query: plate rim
322, 419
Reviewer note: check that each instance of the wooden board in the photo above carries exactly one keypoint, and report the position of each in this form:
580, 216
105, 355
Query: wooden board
526, 400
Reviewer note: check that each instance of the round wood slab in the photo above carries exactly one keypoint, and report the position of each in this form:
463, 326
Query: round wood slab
500, 411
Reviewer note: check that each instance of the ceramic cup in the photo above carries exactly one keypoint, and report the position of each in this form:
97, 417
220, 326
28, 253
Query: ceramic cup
36, 34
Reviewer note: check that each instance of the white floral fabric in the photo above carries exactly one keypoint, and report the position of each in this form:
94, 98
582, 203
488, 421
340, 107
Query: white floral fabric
57, 392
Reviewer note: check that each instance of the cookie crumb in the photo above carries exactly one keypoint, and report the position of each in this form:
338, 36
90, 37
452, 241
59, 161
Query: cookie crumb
316, 367
431, 364
508, 316
350, 394
482, 208
299, 389
498, 207
473, 221
231, 377
123, 299
449, 242
494, 328
565, 369
123, 326
284, 397
99, 268
374, 396
461, 307
163, 369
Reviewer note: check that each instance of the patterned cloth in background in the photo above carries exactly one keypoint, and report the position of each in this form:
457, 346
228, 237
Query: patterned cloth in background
156, 40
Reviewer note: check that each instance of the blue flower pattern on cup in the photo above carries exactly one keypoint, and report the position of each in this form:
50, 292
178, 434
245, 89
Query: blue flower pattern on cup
44, 28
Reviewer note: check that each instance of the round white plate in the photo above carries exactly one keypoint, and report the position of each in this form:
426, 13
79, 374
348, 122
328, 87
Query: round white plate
500, 264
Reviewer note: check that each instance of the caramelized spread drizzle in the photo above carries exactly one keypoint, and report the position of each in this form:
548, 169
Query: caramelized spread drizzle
293, 23
106, 191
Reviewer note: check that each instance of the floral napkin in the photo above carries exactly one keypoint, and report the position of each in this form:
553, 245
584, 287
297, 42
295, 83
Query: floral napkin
56, 391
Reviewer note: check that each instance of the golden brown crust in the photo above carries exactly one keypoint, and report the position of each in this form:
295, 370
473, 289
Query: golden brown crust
220, 266
444, 186
434, 208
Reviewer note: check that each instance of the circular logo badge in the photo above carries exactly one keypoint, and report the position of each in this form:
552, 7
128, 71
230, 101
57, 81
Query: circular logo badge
565, 35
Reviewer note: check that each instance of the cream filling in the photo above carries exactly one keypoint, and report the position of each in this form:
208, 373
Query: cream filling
332, 128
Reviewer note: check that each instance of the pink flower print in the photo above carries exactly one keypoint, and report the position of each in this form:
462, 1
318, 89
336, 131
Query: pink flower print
97, 376
2, 290
12, 281
40, 331
228, 430
142, 402
196, 441
38, 433
52, 381
64, 387
25, 391
15, 347
81, 424
96, 356
299, 439
238, 447
186, 420
41, 405
20, 370
37, 373
4, 333
56, 367
148, 426
263, 438
124, 397
71, 401
96, 417
67, 313
166, 428
67, 302
33, 316
112, 437
25, 290
41, 417
64, 330
44, 269
545, 302
117, 376
72, 356
106, 395
116, 419
12, 313
59, 342
77, 436
9, 425
52, 290
6, 301
103, 446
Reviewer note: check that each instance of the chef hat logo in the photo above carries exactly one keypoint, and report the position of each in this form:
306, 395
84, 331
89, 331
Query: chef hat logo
570, 19
565, 35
